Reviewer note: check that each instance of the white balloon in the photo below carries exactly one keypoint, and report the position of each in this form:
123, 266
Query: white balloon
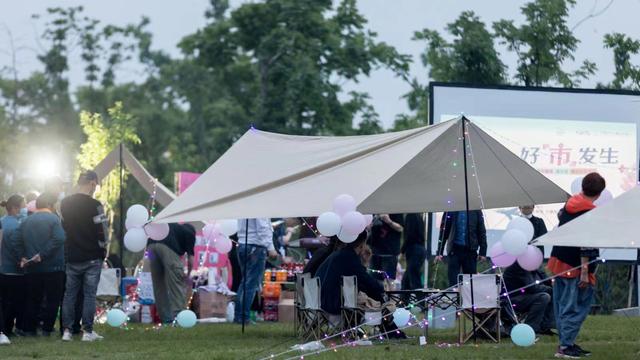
137, 215
135, 240
514, 242
604, 198
347, 238
522, 224
228, 227
344, 203
353, 223
329, 223
576, 185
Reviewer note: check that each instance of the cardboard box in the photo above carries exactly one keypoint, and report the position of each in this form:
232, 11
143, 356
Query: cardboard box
287, 295
286, 311
210, 304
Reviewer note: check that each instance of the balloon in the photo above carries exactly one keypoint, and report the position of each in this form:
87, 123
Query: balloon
514, 242
522, 224
137, 215
187, 318
135, 239
347, 238
368, 219
499, 257
156, 231
222, 244
128, 224
228, 227
401, 317
116, 317
576, 185
31, 206
531, 259
604, 198
343, 204
329, 223
523, 335
208, 232
353, 223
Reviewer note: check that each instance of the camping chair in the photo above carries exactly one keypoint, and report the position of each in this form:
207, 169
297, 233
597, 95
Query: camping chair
352, 314
316, 321
298, 320
485, 306
108, 293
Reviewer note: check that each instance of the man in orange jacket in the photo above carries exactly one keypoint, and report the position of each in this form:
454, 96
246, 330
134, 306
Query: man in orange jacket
575, 270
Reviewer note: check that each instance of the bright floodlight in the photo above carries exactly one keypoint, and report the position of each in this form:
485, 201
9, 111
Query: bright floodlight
45, 166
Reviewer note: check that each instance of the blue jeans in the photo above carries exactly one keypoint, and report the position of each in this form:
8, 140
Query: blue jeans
571, 305
85, 275
255, 262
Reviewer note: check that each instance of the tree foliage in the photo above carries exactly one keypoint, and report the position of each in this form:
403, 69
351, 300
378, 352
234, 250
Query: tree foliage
626, 75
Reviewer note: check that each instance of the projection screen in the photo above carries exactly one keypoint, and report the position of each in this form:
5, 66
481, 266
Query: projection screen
563, 133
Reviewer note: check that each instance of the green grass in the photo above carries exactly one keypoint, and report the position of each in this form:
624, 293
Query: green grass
607, 336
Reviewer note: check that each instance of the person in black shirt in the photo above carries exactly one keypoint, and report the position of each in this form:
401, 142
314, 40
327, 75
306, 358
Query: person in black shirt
85, 224
386, 233
167, 269
413, 250
321, 255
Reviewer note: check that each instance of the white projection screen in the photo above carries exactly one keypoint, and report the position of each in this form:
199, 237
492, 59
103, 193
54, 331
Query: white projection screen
563, 133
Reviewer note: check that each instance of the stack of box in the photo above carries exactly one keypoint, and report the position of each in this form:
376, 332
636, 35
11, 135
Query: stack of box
286, 307
210, 304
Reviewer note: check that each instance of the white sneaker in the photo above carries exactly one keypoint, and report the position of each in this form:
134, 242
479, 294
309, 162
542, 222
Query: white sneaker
4, 340
66, 336
91, 336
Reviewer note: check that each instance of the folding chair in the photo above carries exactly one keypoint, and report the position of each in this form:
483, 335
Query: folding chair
485, 305
298, 320
352, 314
108, 292
316, 320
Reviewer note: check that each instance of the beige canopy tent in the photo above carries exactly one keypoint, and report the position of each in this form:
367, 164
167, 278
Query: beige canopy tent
421, 170
612, 225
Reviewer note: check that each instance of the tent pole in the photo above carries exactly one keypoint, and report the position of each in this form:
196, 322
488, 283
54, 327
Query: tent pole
121, 200
468, 235
244, 273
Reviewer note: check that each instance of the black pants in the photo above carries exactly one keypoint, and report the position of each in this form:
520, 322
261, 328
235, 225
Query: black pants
50, 287
415, 256
537, 308
386, 263
462, 262
13, 294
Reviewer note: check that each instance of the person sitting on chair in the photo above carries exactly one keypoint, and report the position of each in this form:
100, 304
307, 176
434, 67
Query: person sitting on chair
349, 262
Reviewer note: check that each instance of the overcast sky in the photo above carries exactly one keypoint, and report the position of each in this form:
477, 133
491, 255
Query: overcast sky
393, 20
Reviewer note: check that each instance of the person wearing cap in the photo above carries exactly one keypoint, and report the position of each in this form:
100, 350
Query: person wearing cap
85, 223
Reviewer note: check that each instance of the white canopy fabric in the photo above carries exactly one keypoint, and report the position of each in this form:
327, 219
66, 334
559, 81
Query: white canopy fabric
420, 170
612, 225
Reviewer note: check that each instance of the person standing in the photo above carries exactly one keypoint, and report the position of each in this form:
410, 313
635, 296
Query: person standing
414, 250
573, 288
386, 235
167, 269
255, 243
40, 239
12, 291
465, 240
85, 223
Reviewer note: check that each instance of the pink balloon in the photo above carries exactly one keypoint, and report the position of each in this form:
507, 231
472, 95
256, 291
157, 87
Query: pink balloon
531, 259
368, 219
156, 231
210, 231
604, 198
343, 204
353, 223
31, 206
222, 244
499, 257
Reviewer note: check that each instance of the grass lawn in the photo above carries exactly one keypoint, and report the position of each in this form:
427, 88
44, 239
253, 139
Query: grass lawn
607, 336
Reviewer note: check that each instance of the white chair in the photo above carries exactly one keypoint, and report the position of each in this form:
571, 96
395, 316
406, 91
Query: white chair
316, 320
109, 284
483, 308
352, 314
299, 323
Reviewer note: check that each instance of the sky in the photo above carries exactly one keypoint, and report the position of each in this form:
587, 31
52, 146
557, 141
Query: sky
394, 20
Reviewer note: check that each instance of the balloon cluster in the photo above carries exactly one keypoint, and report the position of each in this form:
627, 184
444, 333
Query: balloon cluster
344, 221
605, 196
514, 246
139, 229
218, 233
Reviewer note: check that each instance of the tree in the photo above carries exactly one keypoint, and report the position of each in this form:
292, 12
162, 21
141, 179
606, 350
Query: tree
103, 135
543, 44
470, 58
626, 75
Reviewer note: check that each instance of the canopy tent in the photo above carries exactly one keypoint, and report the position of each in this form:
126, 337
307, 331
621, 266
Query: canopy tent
420, 170
612, 225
